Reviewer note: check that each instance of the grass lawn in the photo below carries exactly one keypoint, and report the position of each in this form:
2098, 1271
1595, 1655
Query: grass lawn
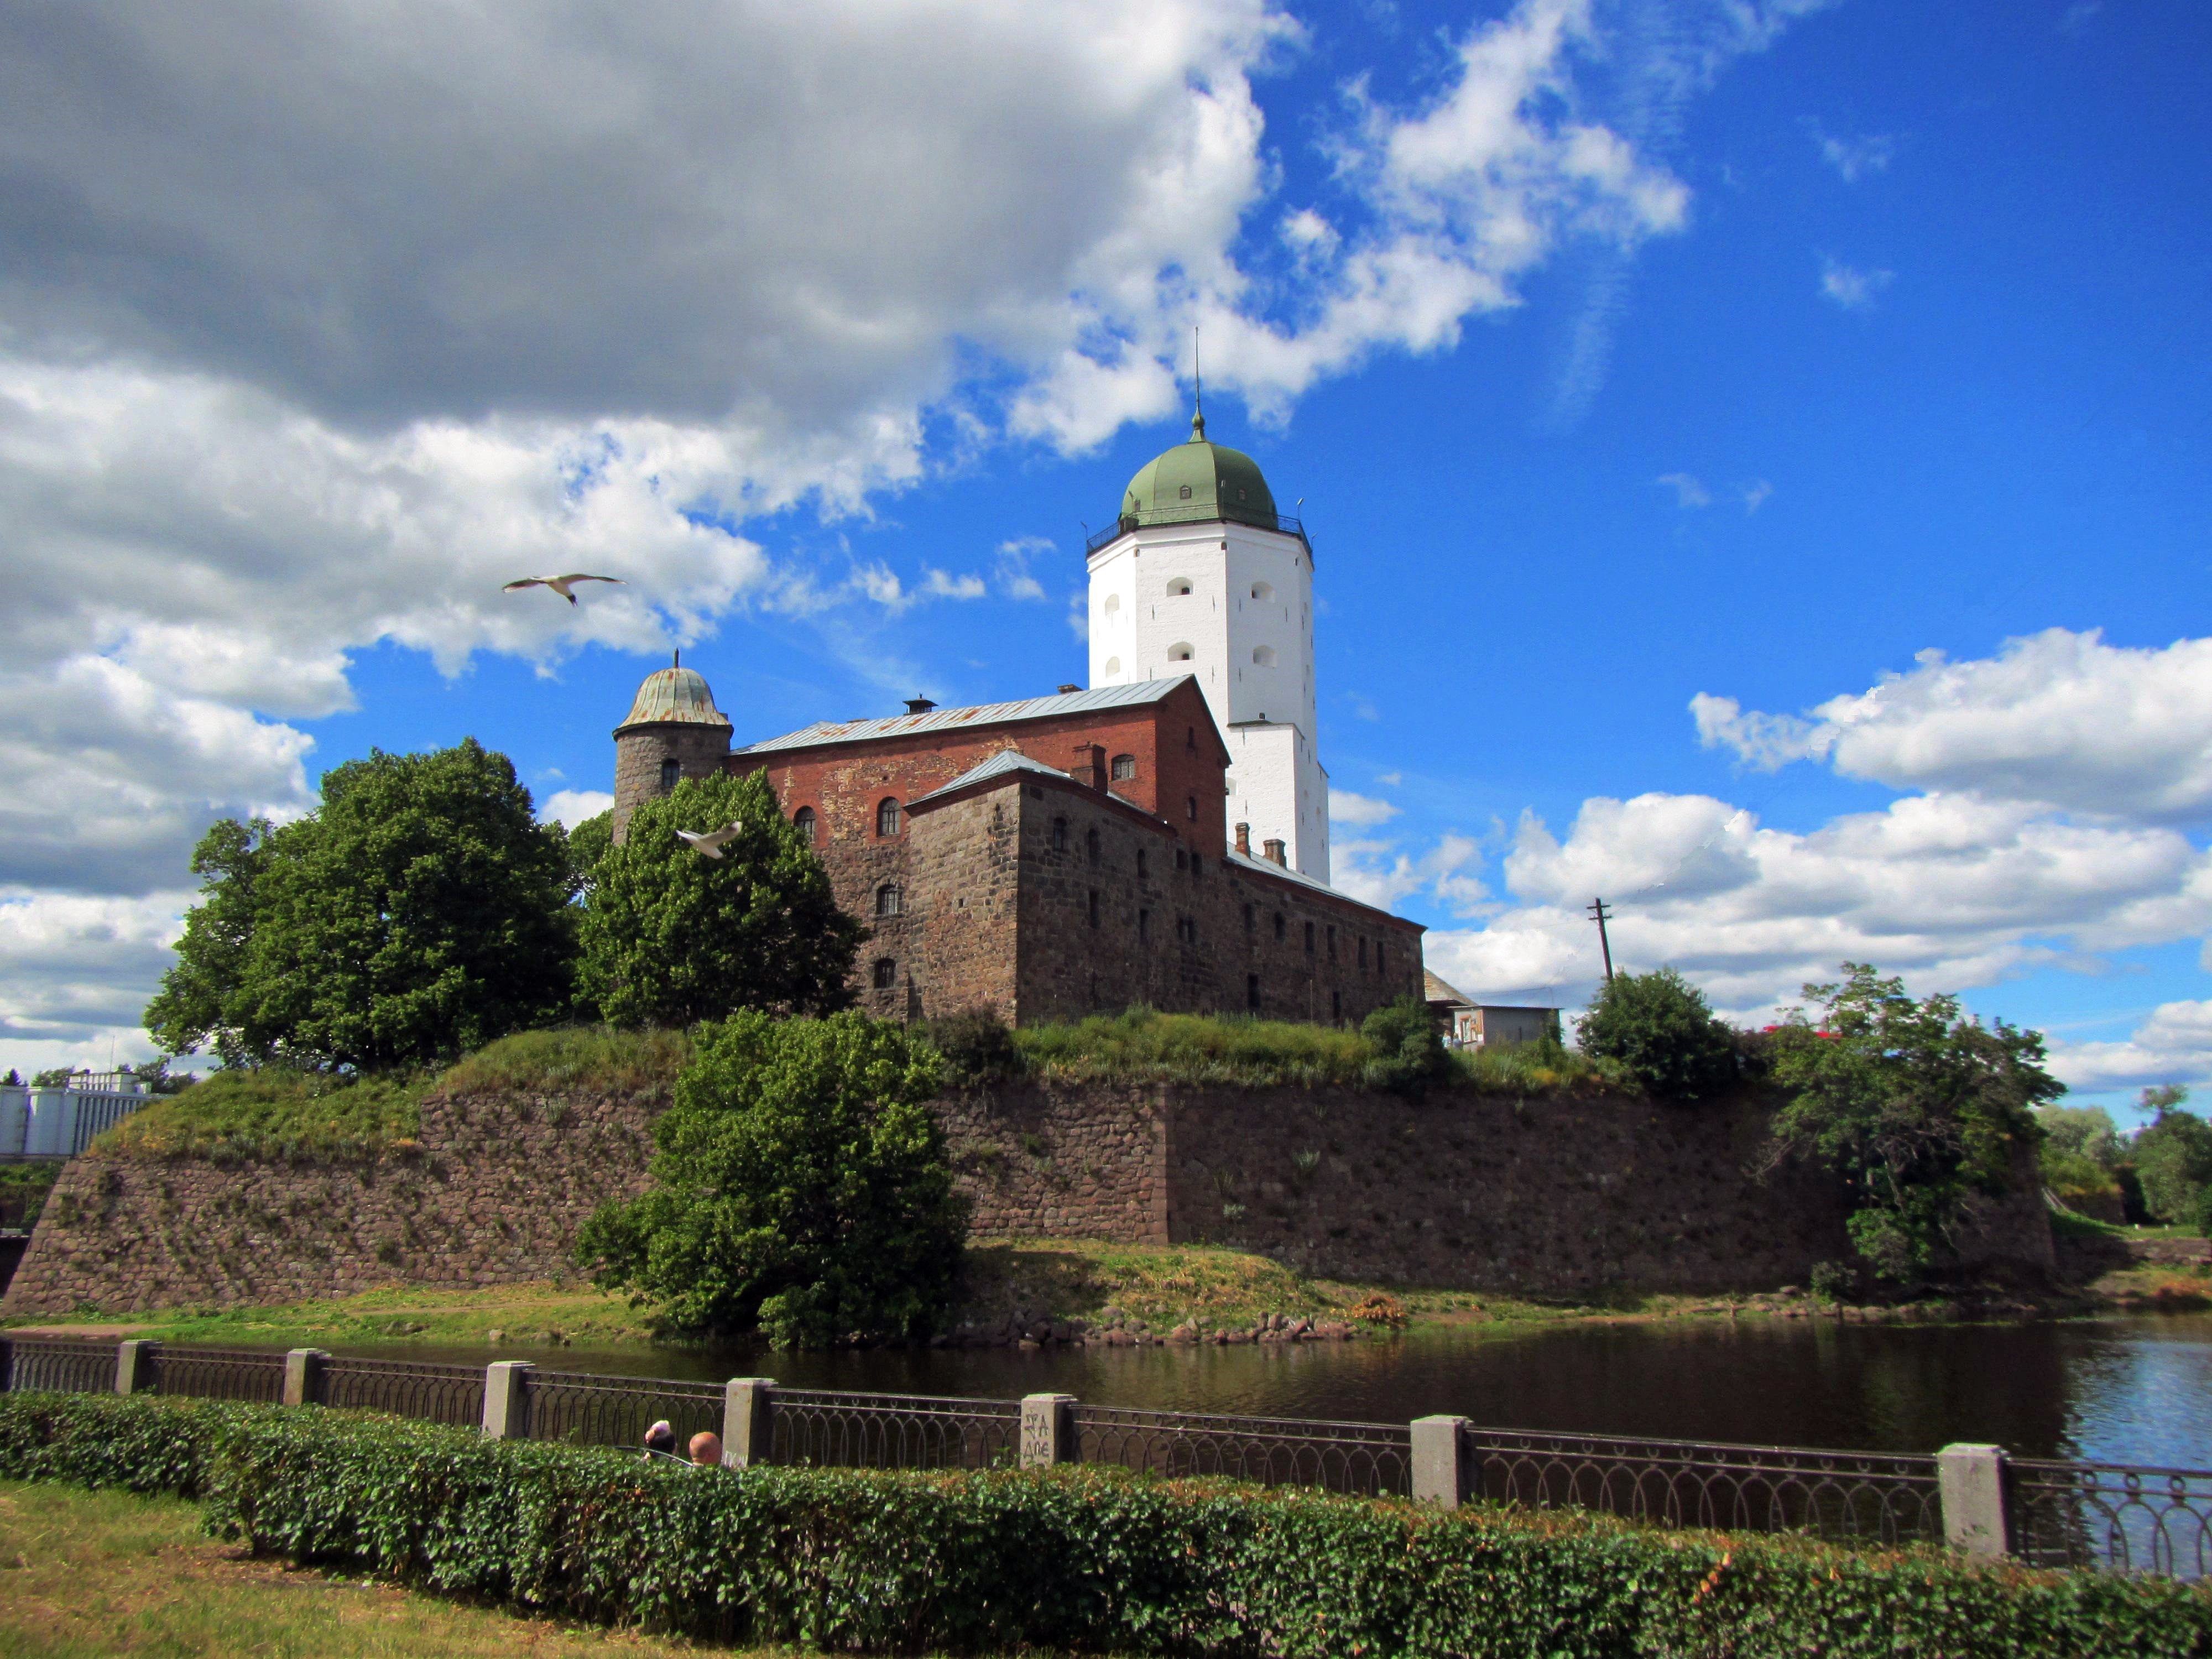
96, 1573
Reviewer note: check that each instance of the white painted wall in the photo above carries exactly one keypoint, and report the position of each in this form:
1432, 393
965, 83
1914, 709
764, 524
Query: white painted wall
1244, 629
60, 1122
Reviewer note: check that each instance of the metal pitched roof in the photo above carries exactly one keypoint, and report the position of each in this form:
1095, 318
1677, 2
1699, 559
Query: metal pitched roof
989, 713
1435, 988
1005, 761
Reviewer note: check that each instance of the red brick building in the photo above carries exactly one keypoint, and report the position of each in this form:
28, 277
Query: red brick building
1050, 859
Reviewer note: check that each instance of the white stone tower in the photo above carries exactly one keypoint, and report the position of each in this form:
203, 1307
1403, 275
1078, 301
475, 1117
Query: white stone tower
1199, 575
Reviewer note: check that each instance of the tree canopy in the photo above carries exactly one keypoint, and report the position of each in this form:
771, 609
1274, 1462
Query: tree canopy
421, 911
1914, 1104
1659, 1028
2172, 1155
800, 1186
671, 937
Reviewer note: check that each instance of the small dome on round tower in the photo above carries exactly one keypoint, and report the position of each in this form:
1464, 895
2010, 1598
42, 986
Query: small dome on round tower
676, 696
1198, 480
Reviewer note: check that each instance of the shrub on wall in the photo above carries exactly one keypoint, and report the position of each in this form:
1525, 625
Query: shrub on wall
800, 1186
1077, 1560
1658, 1028
1409, 1048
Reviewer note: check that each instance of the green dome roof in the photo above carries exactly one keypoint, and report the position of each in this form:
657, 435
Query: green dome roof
1197, 481
676, 697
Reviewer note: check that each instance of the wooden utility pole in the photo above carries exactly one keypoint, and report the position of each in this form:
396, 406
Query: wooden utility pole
1598, 909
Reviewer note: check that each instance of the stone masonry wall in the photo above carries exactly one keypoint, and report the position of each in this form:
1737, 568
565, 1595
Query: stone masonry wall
1541, 1196
493, 1195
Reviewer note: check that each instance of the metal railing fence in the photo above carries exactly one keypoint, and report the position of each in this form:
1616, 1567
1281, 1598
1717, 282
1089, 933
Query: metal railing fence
405, 1388
836, 1430
2041, 1512
1875, 1498
1372, 1459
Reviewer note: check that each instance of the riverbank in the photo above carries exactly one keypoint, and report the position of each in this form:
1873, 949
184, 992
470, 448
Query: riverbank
1080, 1289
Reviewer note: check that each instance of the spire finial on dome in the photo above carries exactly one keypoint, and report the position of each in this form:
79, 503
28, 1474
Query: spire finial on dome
678, 663
1197, 392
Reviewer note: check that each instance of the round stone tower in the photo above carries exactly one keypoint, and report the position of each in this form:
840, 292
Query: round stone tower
673, 732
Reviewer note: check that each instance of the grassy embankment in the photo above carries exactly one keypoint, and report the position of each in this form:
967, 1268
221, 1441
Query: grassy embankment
2154, 1286
97, 1573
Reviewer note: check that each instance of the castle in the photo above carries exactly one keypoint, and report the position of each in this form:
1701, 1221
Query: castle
1073, 854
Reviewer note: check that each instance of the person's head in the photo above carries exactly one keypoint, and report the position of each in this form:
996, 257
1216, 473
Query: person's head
707, 1448
661, 1438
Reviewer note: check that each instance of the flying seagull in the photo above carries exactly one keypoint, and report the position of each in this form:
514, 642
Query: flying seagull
710, 845
559, 584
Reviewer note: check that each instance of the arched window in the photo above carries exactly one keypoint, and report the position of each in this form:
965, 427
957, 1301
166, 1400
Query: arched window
886, 973
1263, 591
1125, 767
1179, 652
1183, 495
1091, 847
1264, 655
1190, 808
1060, 834
887, 816
1113, 603
1179, 587
671, 774
803, 821
1112, 666
887, 899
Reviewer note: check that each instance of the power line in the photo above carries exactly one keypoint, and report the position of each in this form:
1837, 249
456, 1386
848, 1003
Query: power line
1600, 913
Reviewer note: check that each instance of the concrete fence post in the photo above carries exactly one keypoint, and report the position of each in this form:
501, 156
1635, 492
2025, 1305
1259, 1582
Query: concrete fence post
1970, 1481
1047, 1430
134, 1365
746, 1401
506, 1408
303, 1376
1440, 1460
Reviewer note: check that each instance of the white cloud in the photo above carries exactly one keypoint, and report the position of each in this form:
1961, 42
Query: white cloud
1853, 159
940, 586
1753, 496
1850, 288
1012, 568
1375, 872
2059, 719
2174, 1045
74, 969
1688, 491
1366, 811
570, 807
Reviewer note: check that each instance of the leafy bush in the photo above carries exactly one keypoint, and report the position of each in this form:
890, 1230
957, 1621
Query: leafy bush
800, 1186
1915, 1105
23, 1190
977, 1047
2173, 1156
671, 937
1408, 1048
1540, 1067
274, 1111
1659, 1029
420, 911
1079, 1559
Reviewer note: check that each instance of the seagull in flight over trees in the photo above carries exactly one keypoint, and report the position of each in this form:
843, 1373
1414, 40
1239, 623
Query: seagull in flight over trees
559, 584
710, 845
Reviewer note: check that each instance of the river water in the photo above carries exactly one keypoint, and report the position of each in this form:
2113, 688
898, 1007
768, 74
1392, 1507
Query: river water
2120, 1390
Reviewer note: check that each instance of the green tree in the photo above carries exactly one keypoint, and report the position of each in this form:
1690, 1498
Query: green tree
671, 937
1409, 1047
2081, 1153
800, 1186
1659, 1027
587, 844
2172, 1155
421, 911
1914, 1104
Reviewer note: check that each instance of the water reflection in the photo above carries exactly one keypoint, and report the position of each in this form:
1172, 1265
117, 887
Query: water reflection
2120, 1390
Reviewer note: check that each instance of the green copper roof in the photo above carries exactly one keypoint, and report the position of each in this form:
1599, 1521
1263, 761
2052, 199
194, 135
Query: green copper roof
1197, 481
676, 697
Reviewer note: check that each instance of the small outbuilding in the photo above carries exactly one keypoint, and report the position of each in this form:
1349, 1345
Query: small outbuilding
1468, 1024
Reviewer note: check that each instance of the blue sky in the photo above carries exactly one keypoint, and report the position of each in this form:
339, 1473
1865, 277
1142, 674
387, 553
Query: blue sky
1747, 353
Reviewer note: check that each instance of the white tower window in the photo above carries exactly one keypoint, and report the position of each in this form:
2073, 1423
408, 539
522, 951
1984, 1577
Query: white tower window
1179, 652
1113, 603
1179, 587
1112, 666
1260, 591
1264, 655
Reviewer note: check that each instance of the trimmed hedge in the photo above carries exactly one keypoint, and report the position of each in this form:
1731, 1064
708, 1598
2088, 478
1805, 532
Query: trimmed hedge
1088, 1559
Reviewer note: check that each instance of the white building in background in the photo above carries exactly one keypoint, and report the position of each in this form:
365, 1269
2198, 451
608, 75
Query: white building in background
62, 1122
1199, 575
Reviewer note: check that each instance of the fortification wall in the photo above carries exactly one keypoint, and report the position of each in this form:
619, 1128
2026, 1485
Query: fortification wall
1539, 1196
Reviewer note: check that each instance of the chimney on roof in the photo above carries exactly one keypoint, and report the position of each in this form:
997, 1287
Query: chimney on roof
1274, 854
1245, 838
919, 705
1090, 766
1065, 690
